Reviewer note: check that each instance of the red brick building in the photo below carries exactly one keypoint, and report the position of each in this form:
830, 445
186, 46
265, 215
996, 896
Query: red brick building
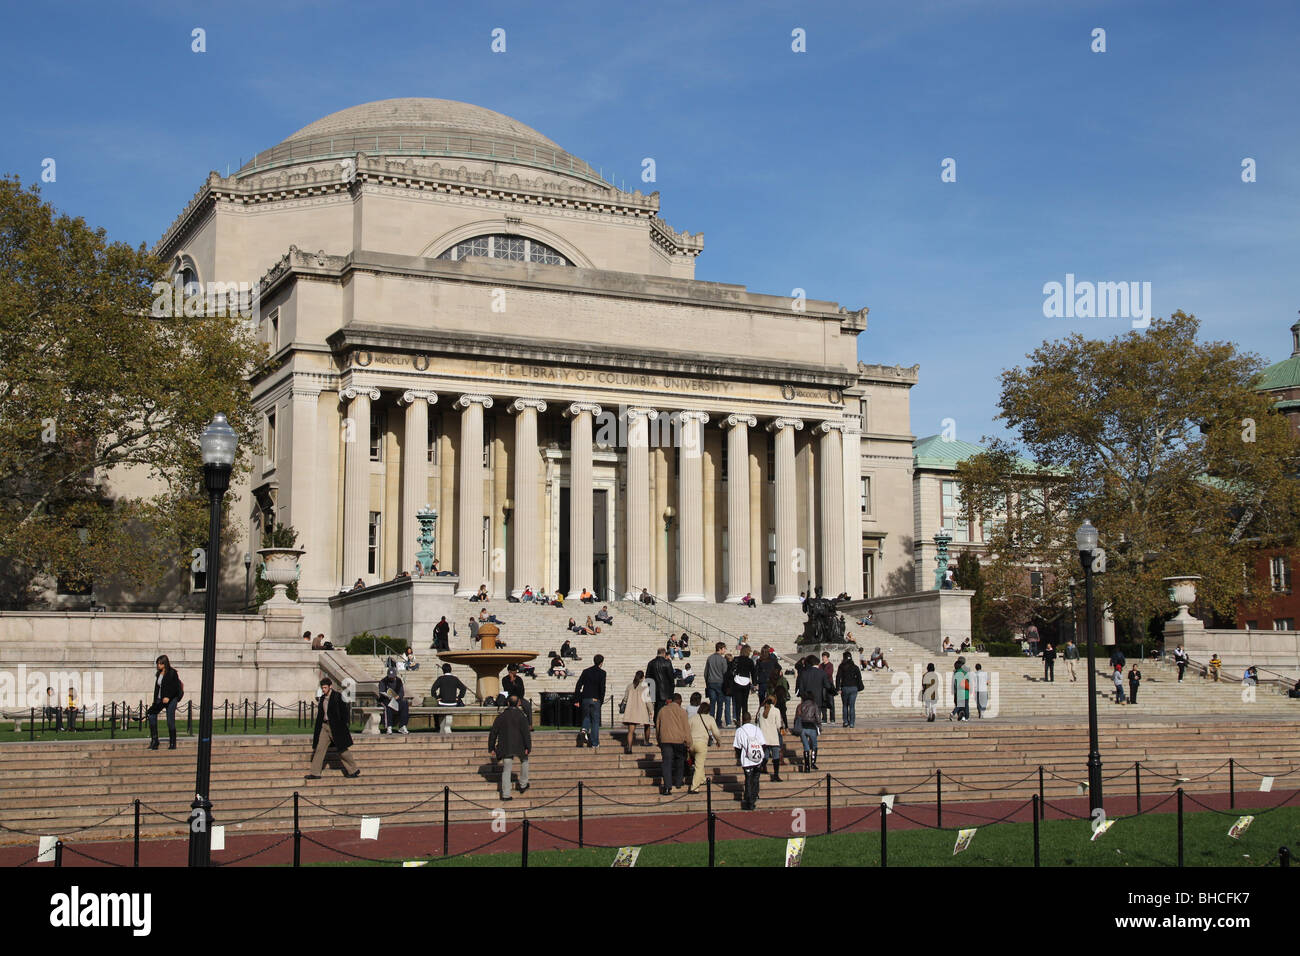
1274, 603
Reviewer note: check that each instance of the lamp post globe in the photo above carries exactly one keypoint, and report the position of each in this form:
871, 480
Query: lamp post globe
1086, 539
217, 445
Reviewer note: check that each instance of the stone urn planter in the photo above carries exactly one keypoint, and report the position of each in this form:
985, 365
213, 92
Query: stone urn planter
1182, 591
280, 567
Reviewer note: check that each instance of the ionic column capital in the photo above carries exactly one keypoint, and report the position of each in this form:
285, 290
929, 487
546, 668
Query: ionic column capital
411, 396
465, 401
635, 412
731, 421
693, 415
519, 404
577, 408
827, 427
352, 391
776, 424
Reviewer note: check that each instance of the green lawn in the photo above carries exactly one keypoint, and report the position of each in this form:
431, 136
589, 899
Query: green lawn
1136, 841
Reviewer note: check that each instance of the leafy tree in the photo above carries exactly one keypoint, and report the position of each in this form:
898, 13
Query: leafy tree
969, 577
1162, 442
93, 388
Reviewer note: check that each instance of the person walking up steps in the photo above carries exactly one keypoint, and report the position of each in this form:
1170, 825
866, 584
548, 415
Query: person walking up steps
1180, 659
331, 731
981, 688
704, 734
960, 691
930, 691
1071, 655
1049, 664
510, 739
590, 691
750, 754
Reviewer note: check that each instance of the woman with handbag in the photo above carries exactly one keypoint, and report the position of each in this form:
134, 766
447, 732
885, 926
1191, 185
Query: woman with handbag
704, 734
635, 708
769, 722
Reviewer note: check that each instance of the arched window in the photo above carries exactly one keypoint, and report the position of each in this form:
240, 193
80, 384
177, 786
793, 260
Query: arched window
500, 246
185, 271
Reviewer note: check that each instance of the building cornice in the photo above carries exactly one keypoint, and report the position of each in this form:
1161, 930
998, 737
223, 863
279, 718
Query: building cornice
525, 351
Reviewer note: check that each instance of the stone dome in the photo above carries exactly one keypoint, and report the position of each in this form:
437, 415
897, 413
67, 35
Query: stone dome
414, 126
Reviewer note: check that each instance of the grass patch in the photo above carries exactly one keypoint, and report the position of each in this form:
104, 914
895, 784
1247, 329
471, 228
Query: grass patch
1132, 842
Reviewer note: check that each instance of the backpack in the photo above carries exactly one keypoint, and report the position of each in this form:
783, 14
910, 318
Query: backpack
728, 679
182, 683
753, 752
808, 713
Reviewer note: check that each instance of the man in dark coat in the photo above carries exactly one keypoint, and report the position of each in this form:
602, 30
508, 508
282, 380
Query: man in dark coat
511, 737
440, 632
1049, 663
660, 670
590, 691
331, 731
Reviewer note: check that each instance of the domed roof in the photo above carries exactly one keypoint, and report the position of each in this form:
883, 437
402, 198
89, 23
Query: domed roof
414, 126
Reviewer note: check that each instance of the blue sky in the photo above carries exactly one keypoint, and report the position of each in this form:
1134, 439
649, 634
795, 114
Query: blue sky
817, 170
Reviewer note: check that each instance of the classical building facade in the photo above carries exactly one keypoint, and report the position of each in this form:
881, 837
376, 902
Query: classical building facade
462, 316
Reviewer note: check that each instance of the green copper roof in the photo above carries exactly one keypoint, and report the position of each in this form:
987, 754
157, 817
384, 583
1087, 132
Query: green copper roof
934, 452
1285, 374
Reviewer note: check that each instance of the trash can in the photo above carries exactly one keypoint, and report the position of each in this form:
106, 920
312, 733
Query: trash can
549, 708
566, 715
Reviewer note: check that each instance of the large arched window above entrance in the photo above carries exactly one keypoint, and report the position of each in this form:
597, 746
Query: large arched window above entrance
501, 246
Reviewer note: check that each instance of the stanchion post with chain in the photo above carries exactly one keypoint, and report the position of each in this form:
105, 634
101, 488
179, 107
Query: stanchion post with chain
1036, 819
297, 833
1180, 826
884, 835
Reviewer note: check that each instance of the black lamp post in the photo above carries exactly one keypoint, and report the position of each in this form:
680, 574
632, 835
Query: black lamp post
1086, 540
248, 576
218, 443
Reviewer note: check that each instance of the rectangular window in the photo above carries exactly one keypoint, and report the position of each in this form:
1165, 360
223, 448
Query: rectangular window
865, 495
489, 436
1280, 573
378, 422
435, 435
863, 412
272, 330
868, 574
198, 581
374, 541
954, 516
269, 461
726, 571
771, 558
771, 459
724, 467
991, 524
1036, 585
1284, 624
1252, 625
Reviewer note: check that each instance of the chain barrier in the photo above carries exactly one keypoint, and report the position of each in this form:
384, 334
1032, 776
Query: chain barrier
73, 830
1202, 776
991, 820
1005, 786
69, 849
240, 859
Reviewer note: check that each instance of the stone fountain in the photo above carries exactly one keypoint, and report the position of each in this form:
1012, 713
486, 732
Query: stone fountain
488, 661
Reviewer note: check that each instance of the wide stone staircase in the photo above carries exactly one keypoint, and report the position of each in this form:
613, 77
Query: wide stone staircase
1017, 685
54, 788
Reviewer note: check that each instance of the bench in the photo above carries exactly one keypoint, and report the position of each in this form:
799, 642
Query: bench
482, 716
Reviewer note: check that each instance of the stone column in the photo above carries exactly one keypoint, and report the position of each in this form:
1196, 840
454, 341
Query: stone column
787, 589
580, 416
831, 493
415, 473
690, 507
640, 547
739, 577
528, 516
356, 480
469, 561
305, 474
